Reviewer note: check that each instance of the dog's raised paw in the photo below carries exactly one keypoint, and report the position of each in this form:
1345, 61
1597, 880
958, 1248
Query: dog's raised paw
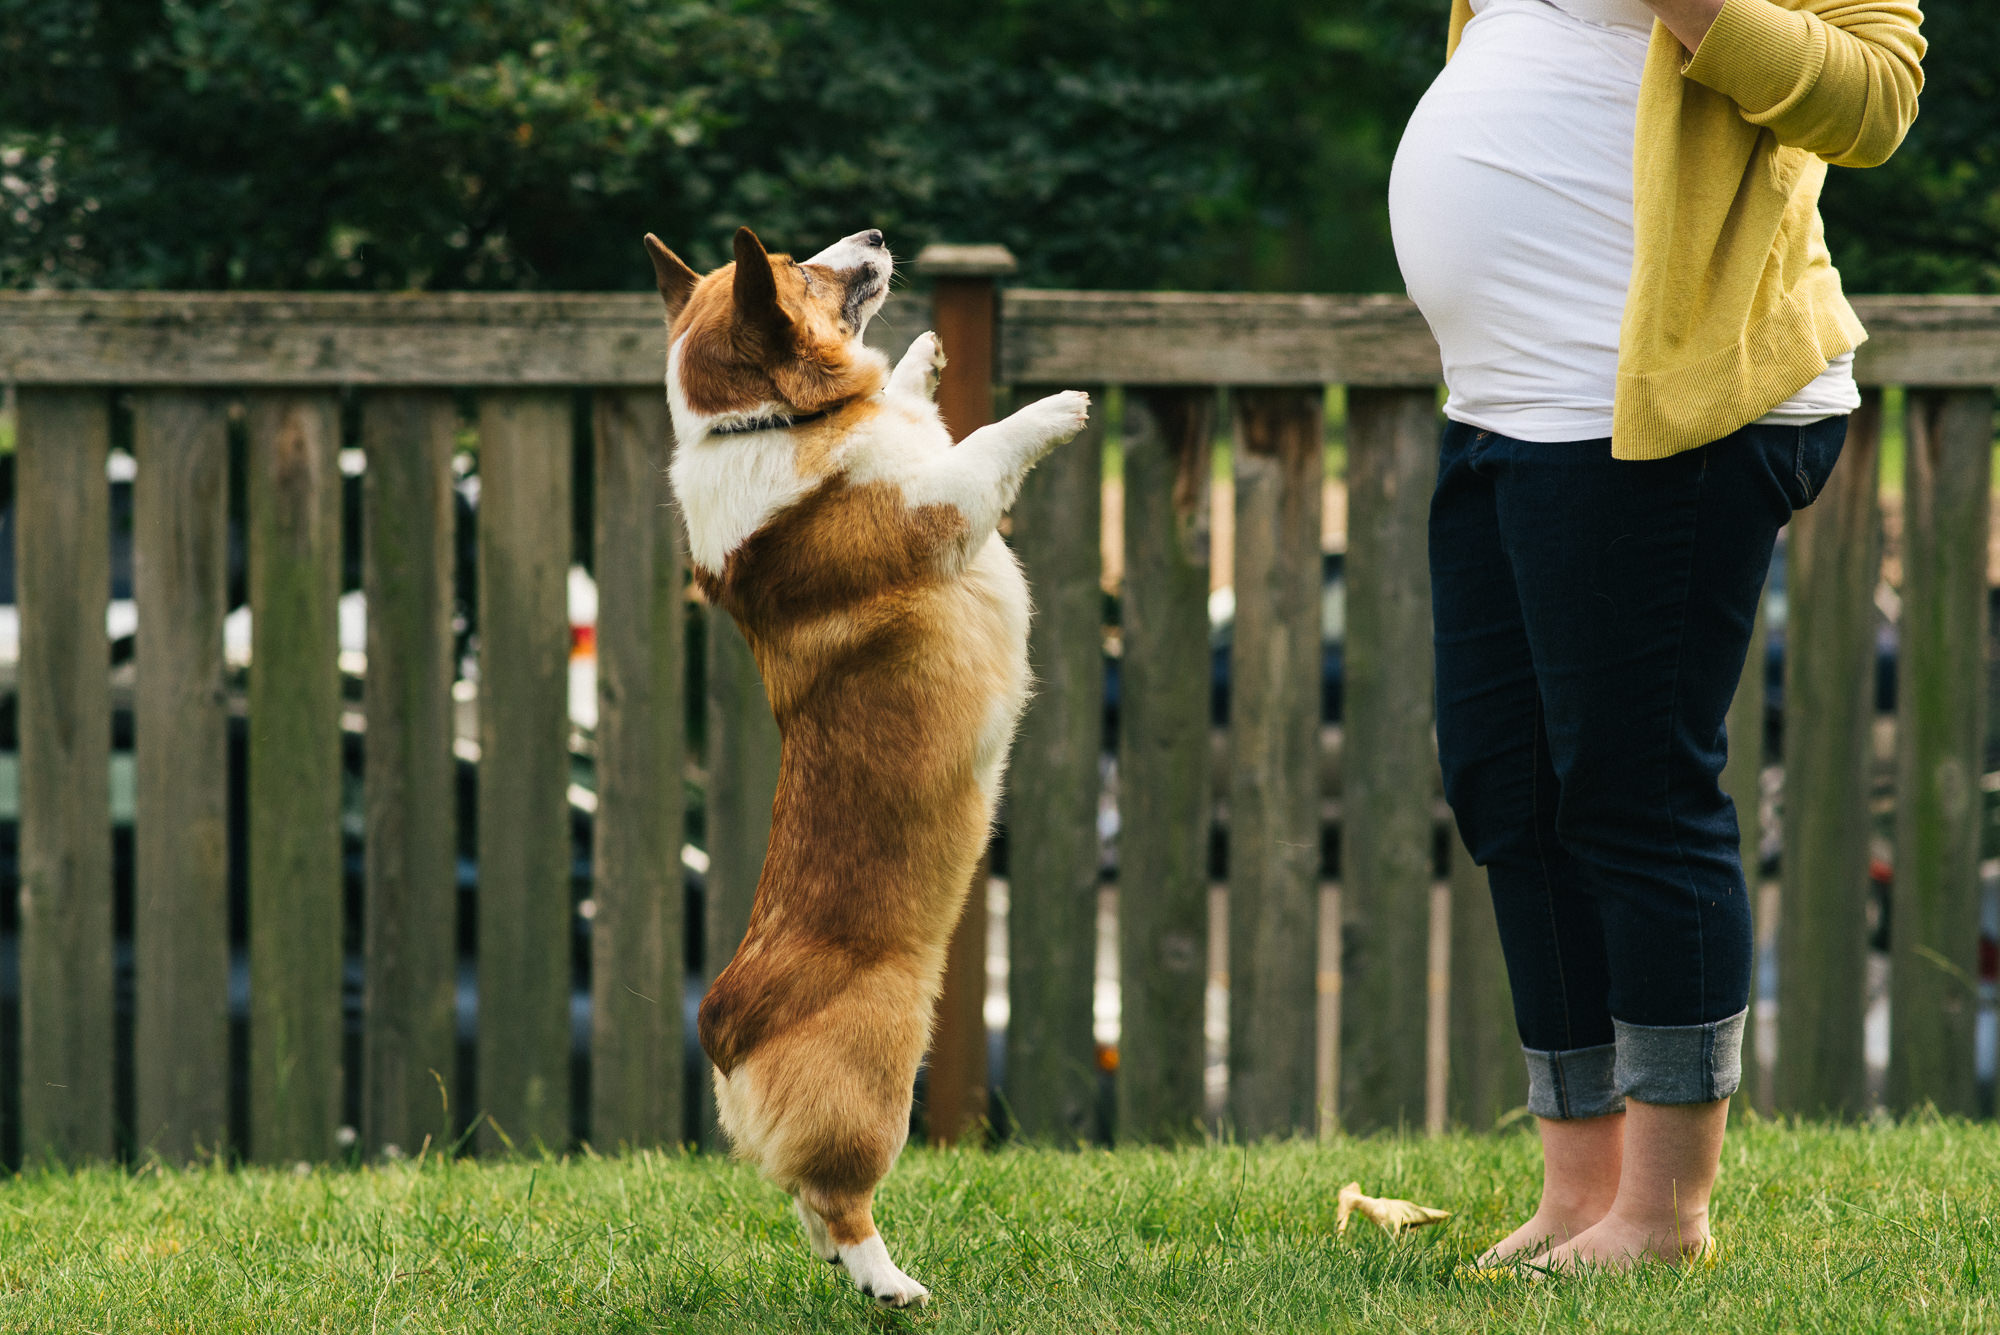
917, 373
1060, 416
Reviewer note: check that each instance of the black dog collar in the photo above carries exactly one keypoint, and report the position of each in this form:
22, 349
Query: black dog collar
777, 422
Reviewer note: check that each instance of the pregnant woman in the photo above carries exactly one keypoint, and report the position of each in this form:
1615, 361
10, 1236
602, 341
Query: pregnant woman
1608, 212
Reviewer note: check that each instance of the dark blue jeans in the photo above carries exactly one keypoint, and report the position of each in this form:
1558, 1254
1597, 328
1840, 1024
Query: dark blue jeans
1591, 618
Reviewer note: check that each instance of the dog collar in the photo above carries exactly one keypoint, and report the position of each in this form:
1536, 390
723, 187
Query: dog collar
775, 422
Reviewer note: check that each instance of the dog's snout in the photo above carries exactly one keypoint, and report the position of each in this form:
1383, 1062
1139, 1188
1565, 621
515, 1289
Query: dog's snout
871, 237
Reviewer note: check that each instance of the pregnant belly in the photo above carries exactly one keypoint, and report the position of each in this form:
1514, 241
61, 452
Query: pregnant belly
1510, 205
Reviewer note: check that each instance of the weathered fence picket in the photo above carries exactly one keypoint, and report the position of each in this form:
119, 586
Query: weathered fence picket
1484, 1076
1339, 1013
1388, 799
636, 1094
1743, 780
1941, 736
295, 904
1834, 552
1051, 1086
742, 782
63, 574
1274, 798
180, 919
524, 836
1165, 794
410, 795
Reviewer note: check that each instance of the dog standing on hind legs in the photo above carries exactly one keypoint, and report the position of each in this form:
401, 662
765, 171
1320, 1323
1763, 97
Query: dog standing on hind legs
830, 515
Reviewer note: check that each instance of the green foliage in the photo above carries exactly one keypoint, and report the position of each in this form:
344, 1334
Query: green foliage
374, 143
392, 144
1823, 1229
1928, 220
509, 143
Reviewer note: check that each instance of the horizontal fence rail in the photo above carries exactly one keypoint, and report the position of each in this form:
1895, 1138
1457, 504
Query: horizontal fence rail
1222, 905
1105, 338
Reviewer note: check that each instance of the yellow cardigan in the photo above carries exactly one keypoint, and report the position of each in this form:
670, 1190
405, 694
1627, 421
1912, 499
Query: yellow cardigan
1734, 304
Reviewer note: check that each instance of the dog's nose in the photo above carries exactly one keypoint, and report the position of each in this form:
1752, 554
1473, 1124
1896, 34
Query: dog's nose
871, 237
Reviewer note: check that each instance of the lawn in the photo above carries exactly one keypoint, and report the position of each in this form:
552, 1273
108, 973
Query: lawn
1847, 1229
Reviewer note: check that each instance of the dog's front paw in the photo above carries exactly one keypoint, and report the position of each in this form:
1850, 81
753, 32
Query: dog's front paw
901, 1291
1059, 417
872, 1271
916, 375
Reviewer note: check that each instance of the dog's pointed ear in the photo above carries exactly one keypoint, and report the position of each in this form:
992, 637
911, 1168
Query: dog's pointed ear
675, 279
756, 290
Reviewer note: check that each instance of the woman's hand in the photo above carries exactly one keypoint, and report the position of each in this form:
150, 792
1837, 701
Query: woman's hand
1688, 20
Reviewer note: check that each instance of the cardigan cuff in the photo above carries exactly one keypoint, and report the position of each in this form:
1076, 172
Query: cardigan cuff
1759, 55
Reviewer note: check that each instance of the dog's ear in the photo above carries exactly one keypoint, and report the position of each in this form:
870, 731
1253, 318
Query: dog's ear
756, 290
676, 280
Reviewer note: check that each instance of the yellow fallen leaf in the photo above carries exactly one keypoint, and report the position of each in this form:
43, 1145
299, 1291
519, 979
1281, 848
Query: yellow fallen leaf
1391, 1215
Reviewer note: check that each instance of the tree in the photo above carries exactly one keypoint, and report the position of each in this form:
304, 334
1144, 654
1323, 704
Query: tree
504, 143
528, 143
1928, 220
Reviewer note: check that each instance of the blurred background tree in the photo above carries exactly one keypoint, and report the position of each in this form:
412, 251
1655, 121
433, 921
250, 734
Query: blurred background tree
390, 144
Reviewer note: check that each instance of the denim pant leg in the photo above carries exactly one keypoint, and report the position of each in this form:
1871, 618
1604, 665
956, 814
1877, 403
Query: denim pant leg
1639, 586
1503, 794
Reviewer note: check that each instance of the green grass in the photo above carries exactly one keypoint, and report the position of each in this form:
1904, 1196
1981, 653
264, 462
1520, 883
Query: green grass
1834, 1229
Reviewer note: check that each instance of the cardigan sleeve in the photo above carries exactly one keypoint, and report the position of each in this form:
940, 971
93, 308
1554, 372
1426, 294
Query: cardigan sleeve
1461, 13
1839, 79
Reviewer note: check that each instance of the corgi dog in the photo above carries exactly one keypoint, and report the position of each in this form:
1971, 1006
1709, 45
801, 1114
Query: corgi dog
829, 513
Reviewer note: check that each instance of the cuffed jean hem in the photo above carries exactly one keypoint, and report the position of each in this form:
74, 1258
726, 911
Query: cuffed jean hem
1691, 1063
1579, 1082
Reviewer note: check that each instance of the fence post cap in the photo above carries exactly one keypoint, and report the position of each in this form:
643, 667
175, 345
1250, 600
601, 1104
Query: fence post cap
944, 261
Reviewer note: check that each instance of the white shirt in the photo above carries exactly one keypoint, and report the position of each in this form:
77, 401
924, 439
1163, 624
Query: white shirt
1510, 203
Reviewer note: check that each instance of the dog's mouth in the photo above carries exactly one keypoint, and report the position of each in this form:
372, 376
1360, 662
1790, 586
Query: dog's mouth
865, 262
865, 296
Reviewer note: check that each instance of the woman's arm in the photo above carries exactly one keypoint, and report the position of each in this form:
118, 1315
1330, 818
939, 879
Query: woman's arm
1838, 78
1688, 20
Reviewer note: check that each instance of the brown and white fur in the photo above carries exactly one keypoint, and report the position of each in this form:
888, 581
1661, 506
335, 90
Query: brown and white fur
857, 550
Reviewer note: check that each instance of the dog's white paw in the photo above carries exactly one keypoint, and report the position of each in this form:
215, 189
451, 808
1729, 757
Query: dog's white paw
877, 1276
1059, 417
916, 375
817, 1236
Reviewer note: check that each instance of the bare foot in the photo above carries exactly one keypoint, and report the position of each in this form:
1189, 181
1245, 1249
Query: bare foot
1618, 1243
1548, 1229
1580, 1165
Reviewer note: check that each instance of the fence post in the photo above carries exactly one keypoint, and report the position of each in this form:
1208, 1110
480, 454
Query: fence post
965, 314
636, 1095
63, 560
525, 919
1835, 558
1941, 698
180, 920
1163, 750
1274, 797
294, 797
1389, 773
409, 784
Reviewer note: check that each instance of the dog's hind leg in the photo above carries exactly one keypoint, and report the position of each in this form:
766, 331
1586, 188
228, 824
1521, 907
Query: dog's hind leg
817, 1236
916, 376
850, 1221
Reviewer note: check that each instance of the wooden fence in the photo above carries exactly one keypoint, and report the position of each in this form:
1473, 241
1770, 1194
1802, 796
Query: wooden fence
1364, 990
